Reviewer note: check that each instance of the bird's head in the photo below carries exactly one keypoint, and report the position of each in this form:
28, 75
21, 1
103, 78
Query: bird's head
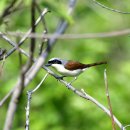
54, 61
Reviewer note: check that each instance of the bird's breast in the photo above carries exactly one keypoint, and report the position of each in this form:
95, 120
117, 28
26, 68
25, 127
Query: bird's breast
63, 71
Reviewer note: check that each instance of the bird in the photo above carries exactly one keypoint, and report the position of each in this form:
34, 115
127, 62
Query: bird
70, 68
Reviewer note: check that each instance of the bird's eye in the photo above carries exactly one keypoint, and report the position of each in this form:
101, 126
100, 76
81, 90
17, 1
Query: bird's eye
58, 62
54, 62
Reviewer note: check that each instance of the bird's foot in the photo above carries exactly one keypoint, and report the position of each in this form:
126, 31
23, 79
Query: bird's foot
68, 84
71, 81
60, 77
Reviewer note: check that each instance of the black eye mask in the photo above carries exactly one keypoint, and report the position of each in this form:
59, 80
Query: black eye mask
54, 62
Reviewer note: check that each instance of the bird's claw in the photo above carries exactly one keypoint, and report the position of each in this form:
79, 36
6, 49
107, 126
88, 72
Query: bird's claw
68, 84
59, 77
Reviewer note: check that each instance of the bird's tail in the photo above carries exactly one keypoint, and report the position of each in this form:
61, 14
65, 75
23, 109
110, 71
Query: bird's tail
95, 64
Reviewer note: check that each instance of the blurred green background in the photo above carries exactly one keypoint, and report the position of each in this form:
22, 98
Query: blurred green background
53, 106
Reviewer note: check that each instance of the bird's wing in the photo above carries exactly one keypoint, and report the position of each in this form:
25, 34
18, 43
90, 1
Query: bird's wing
74, 65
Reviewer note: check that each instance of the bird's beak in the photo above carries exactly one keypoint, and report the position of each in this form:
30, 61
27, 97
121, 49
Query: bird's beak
47, 65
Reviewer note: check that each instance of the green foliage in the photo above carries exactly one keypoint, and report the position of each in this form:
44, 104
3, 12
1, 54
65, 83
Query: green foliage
53, 106
60, 11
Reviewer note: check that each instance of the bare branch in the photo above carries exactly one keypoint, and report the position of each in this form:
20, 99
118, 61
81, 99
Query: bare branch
38, 86
86, 96
28, 78
111, 9
7, 39
126, 127
32, 45
43, 19
2, 54
7, 10
28, 110
12, 107
6, 97
44, 40
29, 94
26, 35
17, 92
118, 33
11, 43
51, 43
58, 32
9, 94
108, 99
2, 65
63, 24
33, 71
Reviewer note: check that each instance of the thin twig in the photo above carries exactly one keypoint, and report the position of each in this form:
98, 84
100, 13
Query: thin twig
126, 126
118, 33
32, 74
11, 43
28, 32
29, 94
18, 89
44, 40
111, 9
2, 35
28, 78
6, 97
16, 94
108, 99
2, 65
64, 24
28, 110
38, 86
33, 41
2, 54
52, 40
84, 95
7, 10
12, 106
8, 94
43, 19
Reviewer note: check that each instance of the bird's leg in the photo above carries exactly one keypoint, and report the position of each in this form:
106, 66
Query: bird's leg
60, 77
72, 81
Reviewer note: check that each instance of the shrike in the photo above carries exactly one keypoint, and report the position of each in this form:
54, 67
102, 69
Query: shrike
69, 68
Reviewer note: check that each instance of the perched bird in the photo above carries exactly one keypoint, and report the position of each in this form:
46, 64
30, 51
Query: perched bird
69, 68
